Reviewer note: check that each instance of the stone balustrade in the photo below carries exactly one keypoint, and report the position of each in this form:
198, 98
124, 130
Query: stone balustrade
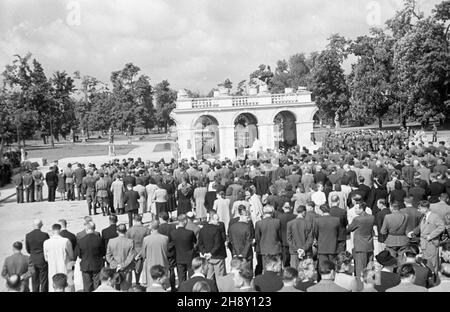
302, 96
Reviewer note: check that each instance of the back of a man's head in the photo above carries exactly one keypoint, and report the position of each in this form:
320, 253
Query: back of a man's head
246, 273
325, 208
56, 227
37, 223
163, 215
122, 228
289, 274
113, 219
157, 272
326, 268
182, 220
199, 264
106, 274
334, 200
59, 281
406, 271
137, 218
18, 246
154, 225
90, 226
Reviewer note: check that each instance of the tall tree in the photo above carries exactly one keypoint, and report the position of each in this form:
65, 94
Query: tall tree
370, 81
422, 65
165, 99
327, 82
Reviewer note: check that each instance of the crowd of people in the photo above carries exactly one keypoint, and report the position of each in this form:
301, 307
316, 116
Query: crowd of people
369, 211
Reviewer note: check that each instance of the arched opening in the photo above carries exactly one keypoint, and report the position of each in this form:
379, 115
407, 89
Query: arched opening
285, 130
245, 133
206, 135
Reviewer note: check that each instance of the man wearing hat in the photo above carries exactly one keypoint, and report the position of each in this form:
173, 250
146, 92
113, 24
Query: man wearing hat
407, 275
387, 277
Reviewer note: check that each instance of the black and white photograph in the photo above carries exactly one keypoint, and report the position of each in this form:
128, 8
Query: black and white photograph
240, 146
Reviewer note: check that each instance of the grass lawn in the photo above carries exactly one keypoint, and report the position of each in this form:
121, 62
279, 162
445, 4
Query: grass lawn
69, 150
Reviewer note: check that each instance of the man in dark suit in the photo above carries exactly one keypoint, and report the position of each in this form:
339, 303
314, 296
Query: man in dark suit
362, 225
165, 228
80, 173
83, 233
110, 231
34, 243
414, 217
336, 211
28, 185
199, 267
284, 218
268, 234
65, 233
18, 183
270, 280
91, 251
182, 241
299, 237
388, 278
51, 178
240, 237
417, 192
326, 233
130, 200
211, 244
261, 182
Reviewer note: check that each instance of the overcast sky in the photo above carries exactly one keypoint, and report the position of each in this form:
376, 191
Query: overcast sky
195, 44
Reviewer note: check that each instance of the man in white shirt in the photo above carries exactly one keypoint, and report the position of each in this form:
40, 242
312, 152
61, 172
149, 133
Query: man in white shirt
318, 197
58, 252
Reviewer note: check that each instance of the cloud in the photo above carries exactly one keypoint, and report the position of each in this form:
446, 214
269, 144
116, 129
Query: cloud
194, 44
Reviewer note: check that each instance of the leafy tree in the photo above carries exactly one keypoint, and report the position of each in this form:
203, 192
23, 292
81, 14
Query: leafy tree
370, 81
422, 64
165, 99
327, 82
132, 100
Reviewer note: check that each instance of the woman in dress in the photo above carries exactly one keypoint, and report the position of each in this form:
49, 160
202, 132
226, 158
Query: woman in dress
61, 185
222, 208
199, 198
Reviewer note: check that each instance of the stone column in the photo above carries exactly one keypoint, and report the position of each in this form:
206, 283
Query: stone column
304, 130
226, 142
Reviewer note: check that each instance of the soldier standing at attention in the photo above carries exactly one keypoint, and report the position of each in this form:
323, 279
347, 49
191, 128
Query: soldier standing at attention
18, 182
89, 186
101, 187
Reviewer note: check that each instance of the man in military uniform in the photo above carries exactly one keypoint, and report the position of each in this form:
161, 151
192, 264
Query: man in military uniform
18, 182
101, 187
89, 186
38, 178
28, 185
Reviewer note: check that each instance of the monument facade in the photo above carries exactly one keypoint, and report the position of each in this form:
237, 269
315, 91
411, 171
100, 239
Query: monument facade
226, 126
